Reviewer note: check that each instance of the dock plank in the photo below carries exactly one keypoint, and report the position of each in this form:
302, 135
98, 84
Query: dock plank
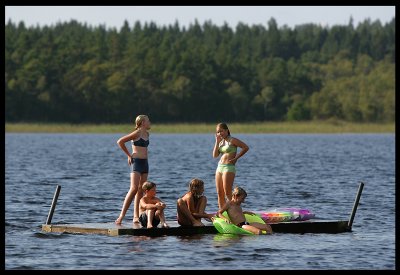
311, 226
111, 229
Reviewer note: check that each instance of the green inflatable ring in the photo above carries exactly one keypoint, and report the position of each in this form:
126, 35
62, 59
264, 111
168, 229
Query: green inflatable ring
228, 228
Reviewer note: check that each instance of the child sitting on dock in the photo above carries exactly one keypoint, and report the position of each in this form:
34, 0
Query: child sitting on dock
236, 214
151, 208
191, 207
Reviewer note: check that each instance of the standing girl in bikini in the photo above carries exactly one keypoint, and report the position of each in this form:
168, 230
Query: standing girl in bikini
138, 162
226, 145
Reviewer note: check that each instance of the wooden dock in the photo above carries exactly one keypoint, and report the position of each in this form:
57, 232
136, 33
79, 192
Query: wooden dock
111, 229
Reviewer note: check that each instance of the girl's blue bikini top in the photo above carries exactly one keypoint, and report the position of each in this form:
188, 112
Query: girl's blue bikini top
141, 142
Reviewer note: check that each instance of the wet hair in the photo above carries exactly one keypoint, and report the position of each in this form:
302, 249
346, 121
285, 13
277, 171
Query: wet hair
147, 185
224, 126
195, 187
239, 191
139, 120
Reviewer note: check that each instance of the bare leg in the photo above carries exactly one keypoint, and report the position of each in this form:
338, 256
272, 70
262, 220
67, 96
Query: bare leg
160, 215
201, 207
258, 228
150, 217
228, 178
265, 227
220, 189
252, 229
138, 196
184, 215
128, 198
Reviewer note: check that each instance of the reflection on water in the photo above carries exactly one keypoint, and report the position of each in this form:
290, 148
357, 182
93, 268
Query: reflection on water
222, 240
190, 238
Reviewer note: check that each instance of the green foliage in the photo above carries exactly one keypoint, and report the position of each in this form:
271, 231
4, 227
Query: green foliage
78, 74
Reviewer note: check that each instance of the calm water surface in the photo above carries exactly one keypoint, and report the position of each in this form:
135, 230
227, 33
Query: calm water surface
320, 172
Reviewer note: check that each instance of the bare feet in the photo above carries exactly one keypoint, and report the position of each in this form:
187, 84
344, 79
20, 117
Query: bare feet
118, 221
135, 220
165, 225
150, 226
198, 223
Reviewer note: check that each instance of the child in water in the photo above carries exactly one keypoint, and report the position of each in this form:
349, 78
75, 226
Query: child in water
236, 214
192, 205
151, 208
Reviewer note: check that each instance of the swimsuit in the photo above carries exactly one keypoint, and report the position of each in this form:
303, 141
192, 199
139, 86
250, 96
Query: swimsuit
226, 168
143, 220
242, 223
140, 165
141, 142
226, 149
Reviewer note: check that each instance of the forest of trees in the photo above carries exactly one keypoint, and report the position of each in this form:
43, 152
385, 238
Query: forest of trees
72, 72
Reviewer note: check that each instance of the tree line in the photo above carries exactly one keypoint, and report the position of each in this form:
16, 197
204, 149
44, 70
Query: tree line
72, 72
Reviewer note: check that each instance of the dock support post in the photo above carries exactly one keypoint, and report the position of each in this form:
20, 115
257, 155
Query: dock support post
53, 204
353, 212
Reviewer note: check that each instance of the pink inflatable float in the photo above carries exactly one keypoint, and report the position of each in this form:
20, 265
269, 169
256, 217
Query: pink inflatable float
285, 214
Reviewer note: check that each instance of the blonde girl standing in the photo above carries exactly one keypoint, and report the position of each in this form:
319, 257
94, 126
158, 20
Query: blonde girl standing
138, 161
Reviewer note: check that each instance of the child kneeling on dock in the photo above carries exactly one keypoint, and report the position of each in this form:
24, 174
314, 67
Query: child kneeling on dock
236, 214
151, 208
192, 205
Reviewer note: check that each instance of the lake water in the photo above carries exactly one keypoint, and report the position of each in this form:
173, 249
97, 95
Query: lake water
320, 172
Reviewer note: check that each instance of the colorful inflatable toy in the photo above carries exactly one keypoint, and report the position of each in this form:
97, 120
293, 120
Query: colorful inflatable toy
286, 214
228, 228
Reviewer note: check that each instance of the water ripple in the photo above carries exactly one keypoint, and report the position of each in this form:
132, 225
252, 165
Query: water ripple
42, 235
318, 172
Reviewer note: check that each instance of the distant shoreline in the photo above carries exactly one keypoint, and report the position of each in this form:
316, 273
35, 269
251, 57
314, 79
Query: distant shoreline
330, 126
